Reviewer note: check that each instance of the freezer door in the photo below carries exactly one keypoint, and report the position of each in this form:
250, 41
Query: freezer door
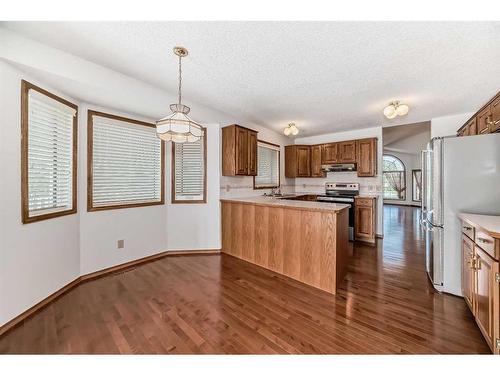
434, 254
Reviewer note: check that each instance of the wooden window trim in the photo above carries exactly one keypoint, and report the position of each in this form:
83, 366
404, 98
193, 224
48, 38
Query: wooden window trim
198, 201
25, 217
90, 162
279, 166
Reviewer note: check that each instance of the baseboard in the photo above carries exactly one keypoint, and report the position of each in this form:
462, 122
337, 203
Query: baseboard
94, 275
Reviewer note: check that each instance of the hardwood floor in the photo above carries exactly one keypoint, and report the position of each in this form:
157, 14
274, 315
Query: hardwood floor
219, 304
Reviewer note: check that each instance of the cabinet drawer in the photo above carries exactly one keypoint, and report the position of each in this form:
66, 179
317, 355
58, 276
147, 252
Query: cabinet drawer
485, 242
364, 202
468, 230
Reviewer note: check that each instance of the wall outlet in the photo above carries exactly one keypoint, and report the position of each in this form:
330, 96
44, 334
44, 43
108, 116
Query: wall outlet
121, 244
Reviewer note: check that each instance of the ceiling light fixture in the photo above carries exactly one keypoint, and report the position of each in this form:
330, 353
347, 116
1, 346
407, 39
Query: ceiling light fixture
178, 126
291, 129
396, 108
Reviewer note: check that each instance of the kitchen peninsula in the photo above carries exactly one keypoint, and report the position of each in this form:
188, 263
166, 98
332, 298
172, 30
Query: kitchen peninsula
306, 241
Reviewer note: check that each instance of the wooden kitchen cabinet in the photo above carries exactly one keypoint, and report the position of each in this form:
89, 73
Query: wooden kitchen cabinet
347, 152
468, 270
483, 119
366, 157
297, 161
329, 153
486, 120
485, 297
480, 273
316, 170
495, 115
365, 219
239, 151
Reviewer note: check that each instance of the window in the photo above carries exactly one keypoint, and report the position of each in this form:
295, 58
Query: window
394, 178
125, 163
189, 171
416, 175
268, 166
48, 154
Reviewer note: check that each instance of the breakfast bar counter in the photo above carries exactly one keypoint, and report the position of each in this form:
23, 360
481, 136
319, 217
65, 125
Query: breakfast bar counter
306, 241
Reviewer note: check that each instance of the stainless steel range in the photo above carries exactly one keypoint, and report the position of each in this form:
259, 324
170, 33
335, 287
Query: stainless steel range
342, 192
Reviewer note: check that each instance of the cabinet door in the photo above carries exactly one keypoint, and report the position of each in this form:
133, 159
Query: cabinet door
303, 161
468, 270
472, 127
483, 119
363, 222
241, 151
347, 152
316, 170
495, 115
366, 157
486, 296
252, 153
329, 153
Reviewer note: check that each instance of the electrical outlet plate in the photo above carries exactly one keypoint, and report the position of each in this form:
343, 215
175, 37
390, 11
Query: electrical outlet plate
121, 244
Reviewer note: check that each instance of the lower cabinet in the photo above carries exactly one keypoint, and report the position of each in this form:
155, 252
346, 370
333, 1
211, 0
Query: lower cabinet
480, 287
365, 219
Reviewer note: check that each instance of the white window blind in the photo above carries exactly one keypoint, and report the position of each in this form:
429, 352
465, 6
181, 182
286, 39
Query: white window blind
189, 165
268, 166
126, 163
50, 155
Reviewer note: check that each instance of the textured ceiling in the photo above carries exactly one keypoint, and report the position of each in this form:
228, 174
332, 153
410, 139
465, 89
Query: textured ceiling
325, 76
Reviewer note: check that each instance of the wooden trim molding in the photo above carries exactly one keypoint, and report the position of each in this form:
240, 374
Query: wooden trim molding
25, 217
182, 201
279, 166
90, 156
94, 275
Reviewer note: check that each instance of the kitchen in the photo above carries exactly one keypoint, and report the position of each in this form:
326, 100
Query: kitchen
263, 211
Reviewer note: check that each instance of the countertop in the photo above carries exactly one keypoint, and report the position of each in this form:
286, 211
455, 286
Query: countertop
286, 203
489, 223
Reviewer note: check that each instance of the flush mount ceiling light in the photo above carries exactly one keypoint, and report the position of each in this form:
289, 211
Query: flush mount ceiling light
178, 126
291, 129
396, 108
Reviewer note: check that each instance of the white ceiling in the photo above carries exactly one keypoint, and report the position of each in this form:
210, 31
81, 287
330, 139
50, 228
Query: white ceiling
325, 76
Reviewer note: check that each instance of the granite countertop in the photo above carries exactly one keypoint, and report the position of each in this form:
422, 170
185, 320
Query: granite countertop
489, 223
286, 203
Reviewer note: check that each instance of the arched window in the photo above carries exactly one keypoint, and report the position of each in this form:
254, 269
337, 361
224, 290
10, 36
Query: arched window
394, 178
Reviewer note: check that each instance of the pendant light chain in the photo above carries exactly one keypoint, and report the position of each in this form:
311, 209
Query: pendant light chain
180, 79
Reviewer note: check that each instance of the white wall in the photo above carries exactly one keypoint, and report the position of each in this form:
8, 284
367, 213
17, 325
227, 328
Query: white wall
410, 161
448, 125
369, 186
39, 258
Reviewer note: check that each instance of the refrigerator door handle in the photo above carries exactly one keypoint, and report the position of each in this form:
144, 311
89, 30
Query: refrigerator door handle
423, 156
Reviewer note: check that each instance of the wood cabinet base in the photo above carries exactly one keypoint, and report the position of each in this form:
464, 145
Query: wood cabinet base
308, 246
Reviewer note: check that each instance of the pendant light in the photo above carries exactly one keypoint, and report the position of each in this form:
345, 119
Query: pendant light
178, 126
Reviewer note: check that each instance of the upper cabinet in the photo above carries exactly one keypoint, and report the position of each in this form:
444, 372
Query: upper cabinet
239, 151
486, 120
297, 161
366, 157
316, 170
347, 152
306, 160
329, 153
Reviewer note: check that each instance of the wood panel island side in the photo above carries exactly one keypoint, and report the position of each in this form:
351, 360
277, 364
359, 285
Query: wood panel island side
306, 241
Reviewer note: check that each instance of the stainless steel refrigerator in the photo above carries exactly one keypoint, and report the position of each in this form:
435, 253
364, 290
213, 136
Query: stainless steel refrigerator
459, 174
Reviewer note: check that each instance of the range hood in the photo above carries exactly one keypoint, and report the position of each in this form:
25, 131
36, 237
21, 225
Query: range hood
338, 167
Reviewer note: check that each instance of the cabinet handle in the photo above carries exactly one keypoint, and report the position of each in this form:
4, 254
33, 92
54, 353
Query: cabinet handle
467, 228
482, 240
471, 263
477, 263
